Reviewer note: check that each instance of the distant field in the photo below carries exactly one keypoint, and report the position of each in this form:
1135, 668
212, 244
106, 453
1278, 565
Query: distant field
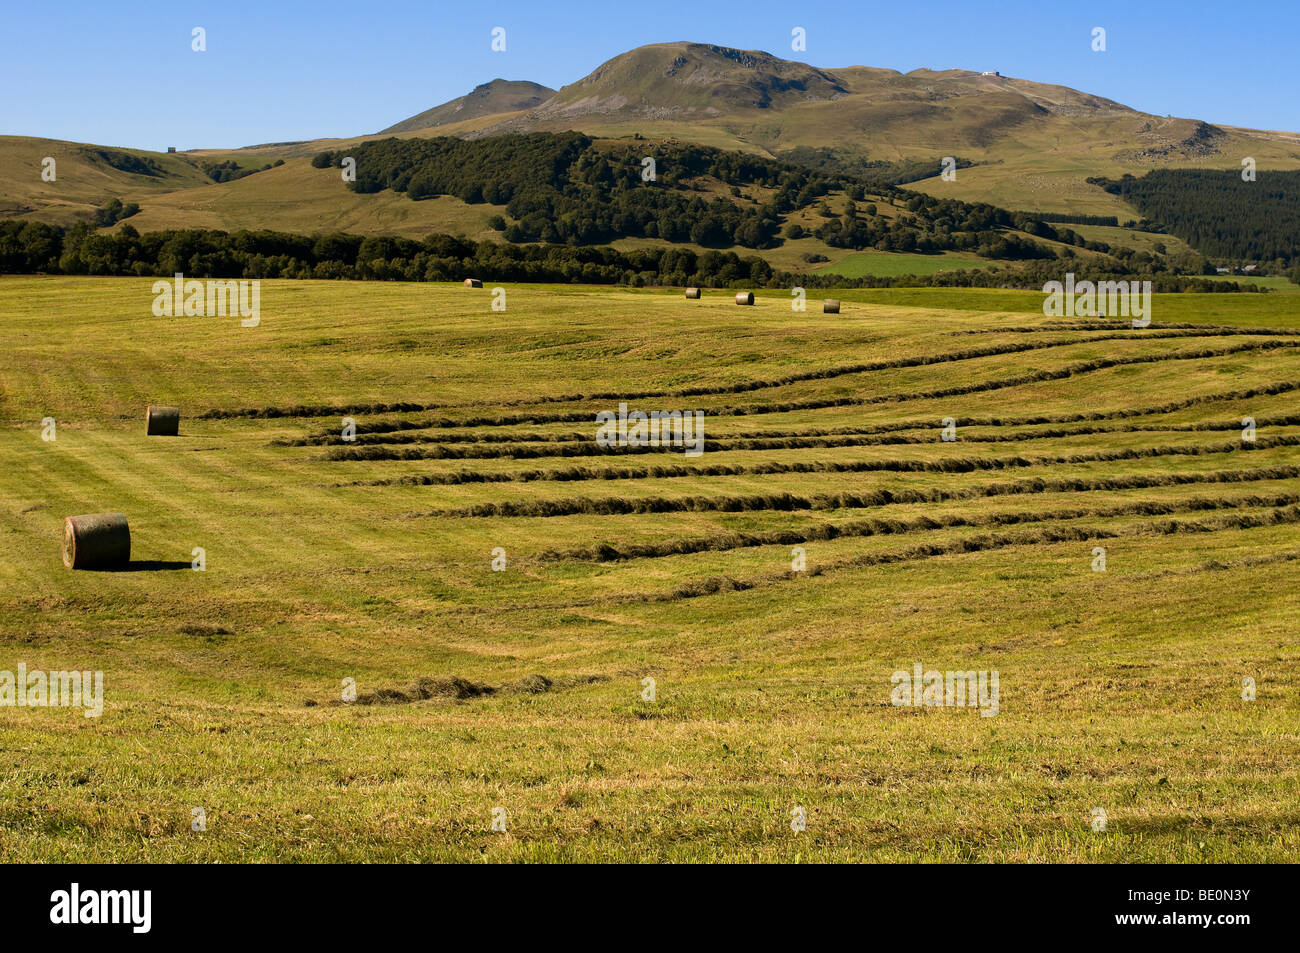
1274, 283
296, 198
1131, 238
1038, 172
524, 689
890, 264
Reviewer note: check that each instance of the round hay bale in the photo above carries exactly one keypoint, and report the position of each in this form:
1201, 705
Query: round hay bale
692, 292
831, 306
162, 421
744, 297
473, 283
96, 541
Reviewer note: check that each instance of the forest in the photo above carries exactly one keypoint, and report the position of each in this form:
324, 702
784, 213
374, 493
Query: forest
569, 189
1219, 213
35, 247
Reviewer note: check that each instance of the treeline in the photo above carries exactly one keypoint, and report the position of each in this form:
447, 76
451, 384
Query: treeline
933, 224
1218, 213
113, 212
35, 247
562, 188
230, 170
567, 189
1066, 218
123, 161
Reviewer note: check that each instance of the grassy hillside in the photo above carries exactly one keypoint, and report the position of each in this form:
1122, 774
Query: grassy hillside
488, 99
1032, 144
297, 198
1046, 170
559, 190
83, 180
568, 189
1133, 238
522, 689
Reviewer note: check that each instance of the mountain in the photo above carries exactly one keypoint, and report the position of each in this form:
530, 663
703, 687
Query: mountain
1020, 145
1032, 145
498, 96
690, 81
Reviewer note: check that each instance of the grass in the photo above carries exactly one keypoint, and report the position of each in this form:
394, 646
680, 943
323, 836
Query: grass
522, 689
1271, 282
1117, 236
81, 183
890, 264
297, 198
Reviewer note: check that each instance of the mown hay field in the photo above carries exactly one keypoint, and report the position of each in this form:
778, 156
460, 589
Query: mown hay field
524, 689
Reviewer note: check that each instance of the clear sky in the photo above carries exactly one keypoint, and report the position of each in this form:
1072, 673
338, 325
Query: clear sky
124, 73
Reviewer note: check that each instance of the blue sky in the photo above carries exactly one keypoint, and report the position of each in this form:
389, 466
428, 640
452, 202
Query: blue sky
124, 74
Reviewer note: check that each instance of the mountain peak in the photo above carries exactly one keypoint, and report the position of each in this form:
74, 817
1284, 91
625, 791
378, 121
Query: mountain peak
684, 79
486, 99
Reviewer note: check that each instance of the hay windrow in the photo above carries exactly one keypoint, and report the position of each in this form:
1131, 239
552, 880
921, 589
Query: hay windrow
433, 449
722, 542
1207, 330
897, 465
318, 410
1267, 390
461, 689
789, 502
1044, 536
424, 688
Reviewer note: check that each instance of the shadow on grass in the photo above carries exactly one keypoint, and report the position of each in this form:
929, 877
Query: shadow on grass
146, 565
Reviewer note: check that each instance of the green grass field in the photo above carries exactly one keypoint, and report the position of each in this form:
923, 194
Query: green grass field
891, 264
1116, 236
371, 560
1271, 282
